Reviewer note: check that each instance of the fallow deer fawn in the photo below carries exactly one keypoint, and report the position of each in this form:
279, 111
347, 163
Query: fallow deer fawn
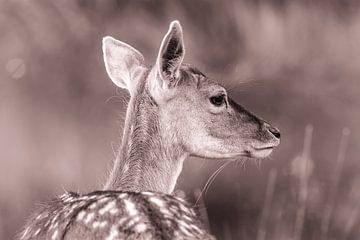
174, 111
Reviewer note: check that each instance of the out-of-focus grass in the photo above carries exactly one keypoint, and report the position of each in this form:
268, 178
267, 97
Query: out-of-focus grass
291, 62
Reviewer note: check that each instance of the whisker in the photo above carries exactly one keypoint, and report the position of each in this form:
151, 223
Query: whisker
211, 180
241, 162
111, 98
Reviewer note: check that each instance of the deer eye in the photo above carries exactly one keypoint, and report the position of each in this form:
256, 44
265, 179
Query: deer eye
218, 100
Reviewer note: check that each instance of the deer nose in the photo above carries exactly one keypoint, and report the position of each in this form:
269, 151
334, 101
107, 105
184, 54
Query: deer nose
274, 131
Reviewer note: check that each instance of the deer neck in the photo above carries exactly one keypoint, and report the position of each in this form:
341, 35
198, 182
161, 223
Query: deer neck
149, 159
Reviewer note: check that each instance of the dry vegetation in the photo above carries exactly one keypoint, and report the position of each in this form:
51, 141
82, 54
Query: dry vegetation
293, 62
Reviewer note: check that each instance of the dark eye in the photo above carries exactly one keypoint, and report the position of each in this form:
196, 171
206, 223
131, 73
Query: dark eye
218, 100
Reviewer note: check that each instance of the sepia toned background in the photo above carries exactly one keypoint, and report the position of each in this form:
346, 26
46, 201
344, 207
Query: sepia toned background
294, 63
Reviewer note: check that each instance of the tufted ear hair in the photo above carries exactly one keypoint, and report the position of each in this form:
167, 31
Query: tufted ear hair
123, 63
171, 53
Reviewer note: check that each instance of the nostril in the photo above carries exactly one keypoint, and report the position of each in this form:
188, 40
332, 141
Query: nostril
275, 132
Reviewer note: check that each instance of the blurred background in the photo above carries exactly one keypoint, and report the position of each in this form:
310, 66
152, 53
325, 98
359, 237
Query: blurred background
294, 63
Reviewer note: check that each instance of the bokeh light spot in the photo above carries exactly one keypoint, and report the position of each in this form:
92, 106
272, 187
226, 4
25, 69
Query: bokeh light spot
16, 68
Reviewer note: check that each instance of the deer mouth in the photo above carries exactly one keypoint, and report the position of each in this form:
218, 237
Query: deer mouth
264, 148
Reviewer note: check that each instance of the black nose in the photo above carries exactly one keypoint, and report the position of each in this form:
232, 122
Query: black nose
275, 132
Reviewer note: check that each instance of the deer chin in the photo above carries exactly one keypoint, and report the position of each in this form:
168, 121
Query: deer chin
261, 152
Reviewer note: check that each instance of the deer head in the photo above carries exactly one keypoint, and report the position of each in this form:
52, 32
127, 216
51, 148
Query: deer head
187, 112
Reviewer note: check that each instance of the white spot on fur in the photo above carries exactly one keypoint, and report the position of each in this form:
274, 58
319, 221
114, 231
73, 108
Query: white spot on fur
174, 208
186, 217
113, 233
122, 220
133, 221
53, 224
92, 197
126, 168
141, 227
96, 224
184, 230
83, 198
103, 200
93, 205
157, 201
181, 222
165, 211
71, 209
25, 232
114, 211
81, 215
148, 193
55, 234
130, 207
180, 199
67, 198
37, 231
103, 224
185, 209
89, 217
122, 195
109, 206
184, 227
54, 219
196, 228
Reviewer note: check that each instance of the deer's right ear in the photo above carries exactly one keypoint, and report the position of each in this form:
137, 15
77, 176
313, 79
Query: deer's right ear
171, 53
122, 63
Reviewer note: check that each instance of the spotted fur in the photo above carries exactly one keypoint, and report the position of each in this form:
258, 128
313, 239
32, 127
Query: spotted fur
113, 215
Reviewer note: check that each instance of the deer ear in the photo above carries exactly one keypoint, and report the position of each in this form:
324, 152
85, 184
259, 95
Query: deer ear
171, 53
123, 63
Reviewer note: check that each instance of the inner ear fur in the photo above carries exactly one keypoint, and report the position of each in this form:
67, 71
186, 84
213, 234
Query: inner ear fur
122, 63
171, 53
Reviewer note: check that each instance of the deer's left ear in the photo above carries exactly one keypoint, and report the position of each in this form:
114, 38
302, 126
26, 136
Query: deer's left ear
171, 53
